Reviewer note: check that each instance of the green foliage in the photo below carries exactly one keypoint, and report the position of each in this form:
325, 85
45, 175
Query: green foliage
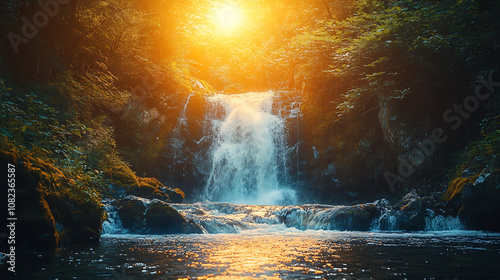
375, 72
34, 125
479, 154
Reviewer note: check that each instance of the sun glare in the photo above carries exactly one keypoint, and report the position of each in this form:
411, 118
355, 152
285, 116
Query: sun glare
229, 17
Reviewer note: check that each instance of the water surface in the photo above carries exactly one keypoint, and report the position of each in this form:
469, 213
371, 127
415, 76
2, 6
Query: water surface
275, 253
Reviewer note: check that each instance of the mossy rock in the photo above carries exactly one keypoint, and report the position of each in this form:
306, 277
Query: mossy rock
50, 208
455, 187
122, 175
176, 195
151, 188
35, 226
80, 215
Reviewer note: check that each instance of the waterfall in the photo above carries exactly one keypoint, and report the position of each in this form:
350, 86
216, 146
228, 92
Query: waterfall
435, 222
249, 152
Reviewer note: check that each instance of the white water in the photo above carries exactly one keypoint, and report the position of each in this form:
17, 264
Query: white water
223, 217
249, 150
220, 217
113, 224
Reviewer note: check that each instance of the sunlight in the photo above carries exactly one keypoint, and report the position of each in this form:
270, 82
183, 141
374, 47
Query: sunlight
229, 16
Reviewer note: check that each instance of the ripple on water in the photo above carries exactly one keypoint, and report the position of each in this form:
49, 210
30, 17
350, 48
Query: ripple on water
289, 254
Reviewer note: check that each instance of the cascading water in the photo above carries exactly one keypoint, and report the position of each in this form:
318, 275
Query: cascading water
249, 153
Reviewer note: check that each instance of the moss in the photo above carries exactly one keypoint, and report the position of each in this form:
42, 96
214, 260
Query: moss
151, 188
79, 214
180, 196
122, 175
455, 187
52, 209
36, 224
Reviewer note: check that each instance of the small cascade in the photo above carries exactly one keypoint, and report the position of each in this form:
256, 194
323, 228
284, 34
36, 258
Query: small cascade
387, 221
222, 217
249, 153
112, 225
435, 222
396, 220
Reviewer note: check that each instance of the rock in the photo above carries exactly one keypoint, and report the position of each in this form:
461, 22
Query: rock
50, 209
411, 196
176, 195
122, 175
357, 217
412, 215
352, 218
79, 215
132, 214
151, 188
140, 215
160, 218
407, 214
481, 202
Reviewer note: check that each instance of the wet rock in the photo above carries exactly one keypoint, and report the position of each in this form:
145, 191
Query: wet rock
412, 215
357, 217
140, 215
408, 214
160, 218
352, 218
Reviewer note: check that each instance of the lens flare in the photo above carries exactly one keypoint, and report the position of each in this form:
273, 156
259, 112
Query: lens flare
229, 16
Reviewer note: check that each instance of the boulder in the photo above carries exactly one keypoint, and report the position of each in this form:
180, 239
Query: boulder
160, 218
140, 215
358, 218
407, 214
412, 215
132, 214
481, 202
50, 208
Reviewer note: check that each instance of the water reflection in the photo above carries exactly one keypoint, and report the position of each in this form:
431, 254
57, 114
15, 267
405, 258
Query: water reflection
283, 255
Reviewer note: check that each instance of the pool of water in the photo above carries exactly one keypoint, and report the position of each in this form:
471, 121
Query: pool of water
273, 253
